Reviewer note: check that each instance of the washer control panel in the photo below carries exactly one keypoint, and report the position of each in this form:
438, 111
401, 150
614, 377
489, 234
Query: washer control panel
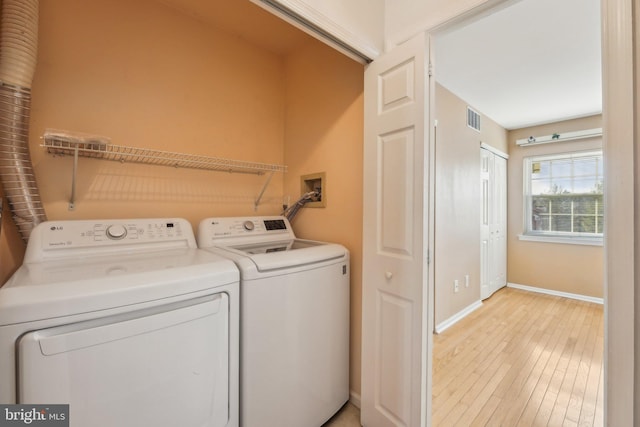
233, 230
88, 235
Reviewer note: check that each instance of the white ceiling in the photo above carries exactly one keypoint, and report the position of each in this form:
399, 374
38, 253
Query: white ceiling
533, 62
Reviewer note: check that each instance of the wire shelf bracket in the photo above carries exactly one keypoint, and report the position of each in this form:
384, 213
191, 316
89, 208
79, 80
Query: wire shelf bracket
63, 143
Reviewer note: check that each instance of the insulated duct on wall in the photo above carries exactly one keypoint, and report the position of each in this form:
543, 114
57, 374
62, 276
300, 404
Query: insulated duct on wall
18, 53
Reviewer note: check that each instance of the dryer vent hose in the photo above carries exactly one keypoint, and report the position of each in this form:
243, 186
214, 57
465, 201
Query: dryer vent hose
18, 54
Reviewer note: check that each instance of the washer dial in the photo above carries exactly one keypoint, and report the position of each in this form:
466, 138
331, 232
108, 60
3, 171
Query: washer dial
116, 232
248, 225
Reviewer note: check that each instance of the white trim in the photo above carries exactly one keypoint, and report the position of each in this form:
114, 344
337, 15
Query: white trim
442, 326
571, 154
579, 297
559, 137
494, 150
621, 114
354, 398
316, 24
587, 241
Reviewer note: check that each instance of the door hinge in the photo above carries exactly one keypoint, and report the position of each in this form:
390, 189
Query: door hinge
430, 69
428, 257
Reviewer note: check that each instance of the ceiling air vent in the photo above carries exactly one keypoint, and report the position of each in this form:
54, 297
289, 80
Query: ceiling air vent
473, 119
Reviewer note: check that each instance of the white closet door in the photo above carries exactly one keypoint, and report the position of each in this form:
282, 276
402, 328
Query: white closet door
493, 227
486, 243
395, 321
499, 204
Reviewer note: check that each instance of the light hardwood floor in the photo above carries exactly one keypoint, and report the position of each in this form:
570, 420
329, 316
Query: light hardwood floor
522, 359
348, 416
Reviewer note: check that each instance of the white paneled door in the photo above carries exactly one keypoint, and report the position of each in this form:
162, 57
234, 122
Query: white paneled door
396, 333
493, 228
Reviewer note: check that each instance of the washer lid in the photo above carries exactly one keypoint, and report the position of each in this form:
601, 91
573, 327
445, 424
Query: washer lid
290, 253
56, 288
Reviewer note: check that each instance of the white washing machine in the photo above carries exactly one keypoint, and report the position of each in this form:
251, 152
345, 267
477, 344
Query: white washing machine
124, 320
294, 320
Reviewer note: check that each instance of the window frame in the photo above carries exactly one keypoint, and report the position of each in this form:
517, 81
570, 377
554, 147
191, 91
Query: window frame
581, 238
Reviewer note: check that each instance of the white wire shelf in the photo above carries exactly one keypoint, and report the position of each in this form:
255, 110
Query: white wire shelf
96, 147
120, 153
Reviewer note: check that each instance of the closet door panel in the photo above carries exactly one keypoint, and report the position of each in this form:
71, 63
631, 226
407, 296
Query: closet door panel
493, 227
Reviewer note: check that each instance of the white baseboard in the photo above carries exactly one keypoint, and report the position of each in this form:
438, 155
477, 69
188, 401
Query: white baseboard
441, 327
354, 398
556, 293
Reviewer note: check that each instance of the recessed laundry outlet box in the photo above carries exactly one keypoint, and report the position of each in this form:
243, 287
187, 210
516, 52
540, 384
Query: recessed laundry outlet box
315, 182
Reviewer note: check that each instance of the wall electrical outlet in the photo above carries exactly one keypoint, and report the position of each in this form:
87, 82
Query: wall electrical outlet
456, 285
466, 281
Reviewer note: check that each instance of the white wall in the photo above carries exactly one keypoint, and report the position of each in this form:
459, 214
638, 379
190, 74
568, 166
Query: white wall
362, 17
406, 18
458, 202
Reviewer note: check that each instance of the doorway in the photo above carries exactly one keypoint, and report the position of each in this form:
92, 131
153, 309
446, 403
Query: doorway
489, 66
469, 72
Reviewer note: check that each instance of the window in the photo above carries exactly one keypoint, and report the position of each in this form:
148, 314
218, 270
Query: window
564, 196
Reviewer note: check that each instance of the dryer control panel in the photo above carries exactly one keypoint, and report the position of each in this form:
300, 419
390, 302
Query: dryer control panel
59, 239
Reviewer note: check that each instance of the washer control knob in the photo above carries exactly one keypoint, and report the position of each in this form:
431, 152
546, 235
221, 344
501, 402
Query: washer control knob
116, 232
248, 225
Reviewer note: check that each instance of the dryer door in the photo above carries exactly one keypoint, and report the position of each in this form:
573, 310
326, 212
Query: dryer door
166, 366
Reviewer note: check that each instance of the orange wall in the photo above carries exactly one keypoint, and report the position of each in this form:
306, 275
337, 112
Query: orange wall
560, 267
457, 209
12, 247
147, 76
324, 133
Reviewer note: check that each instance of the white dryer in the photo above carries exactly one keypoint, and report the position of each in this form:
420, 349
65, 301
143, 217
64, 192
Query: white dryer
124, 320
294, 320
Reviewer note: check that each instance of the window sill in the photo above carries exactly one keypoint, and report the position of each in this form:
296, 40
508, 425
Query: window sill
588, 241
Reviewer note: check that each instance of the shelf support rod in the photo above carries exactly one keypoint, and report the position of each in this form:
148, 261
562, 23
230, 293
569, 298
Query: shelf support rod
72, 200
264, 187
